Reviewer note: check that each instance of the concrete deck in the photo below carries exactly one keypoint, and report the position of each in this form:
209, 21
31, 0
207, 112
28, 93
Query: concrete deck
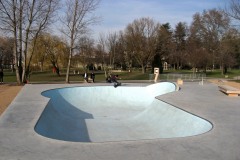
19, 141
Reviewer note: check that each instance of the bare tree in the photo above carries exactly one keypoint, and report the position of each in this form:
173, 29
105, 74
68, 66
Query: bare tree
141, 36
101, 51
10, 12
228, 50
233, 9
39, 17
86, 48
78, 16
164, 47
120, 51
196, 55
111, 43
209, 28
180, 36
25, 19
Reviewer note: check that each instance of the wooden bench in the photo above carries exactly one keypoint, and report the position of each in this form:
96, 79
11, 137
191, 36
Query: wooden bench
230, 91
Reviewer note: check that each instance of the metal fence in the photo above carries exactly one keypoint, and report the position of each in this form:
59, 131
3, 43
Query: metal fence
237, 78
175, 77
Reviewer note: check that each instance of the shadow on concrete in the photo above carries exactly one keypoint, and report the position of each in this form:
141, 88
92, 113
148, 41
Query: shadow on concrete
63, 121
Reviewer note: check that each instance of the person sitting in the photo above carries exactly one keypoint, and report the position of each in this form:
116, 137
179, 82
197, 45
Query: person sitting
114, 79
108, 79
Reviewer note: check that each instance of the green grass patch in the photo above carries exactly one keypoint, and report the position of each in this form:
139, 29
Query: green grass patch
48, 76
136, 75
218, 74
9, 76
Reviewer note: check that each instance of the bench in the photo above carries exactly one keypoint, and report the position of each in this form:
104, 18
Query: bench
90, 80
230, 91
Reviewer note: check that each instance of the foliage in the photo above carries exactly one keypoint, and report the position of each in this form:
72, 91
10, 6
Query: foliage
23, 20
179, 52
208, 43
157, 63
141, 40
206, 33
6, 54
50, 50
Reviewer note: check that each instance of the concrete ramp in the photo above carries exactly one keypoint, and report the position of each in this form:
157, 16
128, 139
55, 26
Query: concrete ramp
105, 113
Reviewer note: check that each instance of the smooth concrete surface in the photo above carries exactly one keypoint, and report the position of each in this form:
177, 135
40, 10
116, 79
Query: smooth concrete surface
105, 113
19, 141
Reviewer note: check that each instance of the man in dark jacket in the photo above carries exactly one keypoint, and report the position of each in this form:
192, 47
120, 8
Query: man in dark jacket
1, 75
93, 76
114, 79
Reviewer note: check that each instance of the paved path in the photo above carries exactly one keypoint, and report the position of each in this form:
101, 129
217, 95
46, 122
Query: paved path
18, 141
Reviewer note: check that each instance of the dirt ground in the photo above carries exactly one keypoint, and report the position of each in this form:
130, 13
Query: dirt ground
9, 91
224, 82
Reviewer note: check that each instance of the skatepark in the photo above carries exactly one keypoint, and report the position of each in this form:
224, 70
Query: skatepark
127, 127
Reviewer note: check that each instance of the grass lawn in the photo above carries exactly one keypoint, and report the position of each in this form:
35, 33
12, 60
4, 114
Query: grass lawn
48, 76
217, 74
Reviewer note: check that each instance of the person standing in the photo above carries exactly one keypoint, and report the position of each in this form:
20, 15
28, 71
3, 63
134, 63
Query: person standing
92, 76
85, 76
1, 75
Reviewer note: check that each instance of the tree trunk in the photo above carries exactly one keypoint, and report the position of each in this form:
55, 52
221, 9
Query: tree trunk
20, 41
143, 68
56, 68
16, 65
15, 48
194, 69
69, 65
223, 69
41, 66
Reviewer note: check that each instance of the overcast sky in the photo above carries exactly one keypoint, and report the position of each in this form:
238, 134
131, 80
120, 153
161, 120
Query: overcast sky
117, 14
